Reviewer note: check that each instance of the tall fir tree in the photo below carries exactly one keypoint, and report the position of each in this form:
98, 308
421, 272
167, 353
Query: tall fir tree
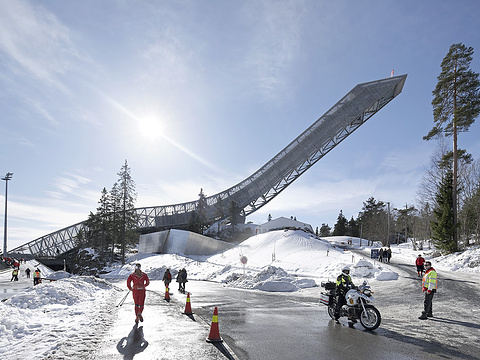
443, 227
340, 228
373, 220
115, 218
127, 198
352, 228
456, 105
104, 211
325, 230
198, 219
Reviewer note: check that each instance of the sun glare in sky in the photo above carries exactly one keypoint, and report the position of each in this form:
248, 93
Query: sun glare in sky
150, 128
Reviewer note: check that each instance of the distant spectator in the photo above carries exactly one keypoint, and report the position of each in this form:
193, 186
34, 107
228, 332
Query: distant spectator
14, 274
419, 263
167, 278
27, 271
182, 279
36, 277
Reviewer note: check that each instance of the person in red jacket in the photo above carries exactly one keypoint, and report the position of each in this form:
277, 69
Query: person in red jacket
420, 267
137, 282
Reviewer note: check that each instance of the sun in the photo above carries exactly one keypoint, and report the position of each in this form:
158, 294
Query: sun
150, 128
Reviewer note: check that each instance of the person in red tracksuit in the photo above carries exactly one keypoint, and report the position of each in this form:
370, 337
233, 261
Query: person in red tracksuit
137, 282
419, 263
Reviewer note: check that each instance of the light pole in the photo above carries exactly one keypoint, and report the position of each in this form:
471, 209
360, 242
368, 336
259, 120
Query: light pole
6, 178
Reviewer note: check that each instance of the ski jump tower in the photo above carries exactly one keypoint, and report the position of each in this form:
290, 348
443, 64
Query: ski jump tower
343, 118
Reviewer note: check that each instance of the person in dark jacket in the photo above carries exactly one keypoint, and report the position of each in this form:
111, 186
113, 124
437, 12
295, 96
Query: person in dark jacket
344, 283
182, 279
167, 278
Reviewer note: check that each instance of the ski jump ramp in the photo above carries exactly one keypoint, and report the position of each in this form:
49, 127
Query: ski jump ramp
342, 119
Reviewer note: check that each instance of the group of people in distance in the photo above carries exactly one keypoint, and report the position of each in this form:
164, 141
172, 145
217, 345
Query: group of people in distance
137, 282
384, 255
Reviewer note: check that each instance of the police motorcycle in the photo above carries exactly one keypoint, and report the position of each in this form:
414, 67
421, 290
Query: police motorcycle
358, 305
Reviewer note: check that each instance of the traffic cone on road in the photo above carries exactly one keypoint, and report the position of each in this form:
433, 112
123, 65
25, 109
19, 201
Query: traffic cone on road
188, 307
167, 294
214, 335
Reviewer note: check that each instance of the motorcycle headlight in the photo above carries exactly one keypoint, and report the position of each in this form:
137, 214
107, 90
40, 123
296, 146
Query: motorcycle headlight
367, 292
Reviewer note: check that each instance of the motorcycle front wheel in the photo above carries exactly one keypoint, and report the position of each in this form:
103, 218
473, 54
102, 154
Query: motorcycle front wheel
370, 318
331, 312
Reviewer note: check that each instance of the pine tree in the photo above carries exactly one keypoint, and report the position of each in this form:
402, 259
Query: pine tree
444, 227
456, 105
114, 219
374, 220
325, 230
198, 219
340, 228
103, 212
127, 198
352, 228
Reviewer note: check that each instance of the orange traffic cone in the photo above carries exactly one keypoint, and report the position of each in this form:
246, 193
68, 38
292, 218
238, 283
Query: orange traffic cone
167, 295
214, 335
188, 307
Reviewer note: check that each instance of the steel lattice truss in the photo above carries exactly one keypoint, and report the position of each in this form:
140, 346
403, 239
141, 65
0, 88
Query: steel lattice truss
343, 118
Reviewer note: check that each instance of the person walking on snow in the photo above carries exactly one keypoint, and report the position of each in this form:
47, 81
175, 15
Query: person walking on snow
167, 278
137, 282
419, 263
36, 277
14, 274
182, 279
429, 287
27, 271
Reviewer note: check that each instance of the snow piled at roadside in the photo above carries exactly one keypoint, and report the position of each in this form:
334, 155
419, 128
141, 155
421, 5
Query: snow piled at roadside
37, 321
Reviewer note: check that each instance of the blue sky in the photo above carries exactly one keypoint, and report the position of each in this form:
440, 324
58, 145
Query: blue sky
201, 93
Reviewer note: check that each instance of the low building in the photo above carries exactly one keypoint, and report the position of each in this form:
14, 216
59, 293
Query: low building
282, 223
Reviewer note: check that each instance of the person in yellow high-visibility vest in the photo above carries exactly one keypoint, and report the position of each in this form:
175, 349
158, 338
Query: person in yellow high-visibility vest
14, 274
429, 287
36, 277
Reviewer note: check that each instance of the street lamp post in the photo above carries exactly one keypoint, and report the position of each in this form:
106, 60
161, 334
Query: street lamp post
6, 178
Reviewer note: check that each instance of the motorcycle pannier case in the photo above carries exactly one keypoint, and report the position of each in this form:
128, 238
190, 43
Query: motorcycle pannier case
324, 299
329, 285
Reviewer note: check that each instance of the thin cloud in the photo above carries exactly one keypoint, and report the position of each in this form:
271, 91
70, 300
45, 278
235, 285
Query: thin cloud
278, 27
35, 41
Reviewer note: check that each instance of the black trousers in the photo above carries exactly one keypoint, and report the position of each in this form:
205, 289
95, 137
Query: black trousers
340, 302
427, 304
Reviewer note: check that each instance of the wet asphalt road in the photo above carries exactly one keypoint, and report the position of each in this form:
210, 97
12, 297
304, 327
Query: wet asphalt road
263, 326
284, 326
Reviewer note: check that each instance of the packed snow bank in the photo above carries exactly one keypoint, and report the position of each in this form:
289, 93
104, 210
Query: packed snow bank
284, 260
52, 314
466, 261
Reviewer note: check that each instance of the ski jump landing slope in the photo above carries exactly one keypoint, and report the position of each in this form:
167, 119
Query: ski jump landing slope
180, 242
246, 197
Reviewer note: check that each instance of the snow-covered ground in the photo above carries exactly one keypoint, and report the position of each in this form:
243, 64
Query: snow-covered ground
35, 321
